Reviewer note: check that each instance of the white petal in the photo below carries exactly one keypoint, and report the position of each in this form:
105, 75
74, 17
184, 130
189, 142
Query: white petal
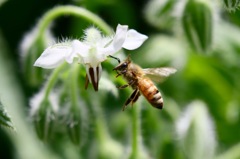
120, 37
53, 56
79, 49
88, 74
104, 52
134, 40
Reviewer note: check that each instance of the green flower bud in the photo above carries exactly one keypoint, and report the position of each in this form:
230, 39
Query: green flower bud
31, 48
111, 149
231, 5
43, 113
43, 120
74, 127
161, 14
197, 25
195, 131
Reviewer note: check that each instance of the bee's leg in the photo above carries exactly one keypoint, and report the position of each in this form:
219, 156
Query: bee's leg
131, 98
118, 75
123, 86
126, 85
135, 98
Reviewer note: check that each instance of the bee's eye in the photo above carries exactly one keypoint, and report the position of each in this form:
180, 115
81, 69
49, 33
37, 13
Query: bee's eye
124, 65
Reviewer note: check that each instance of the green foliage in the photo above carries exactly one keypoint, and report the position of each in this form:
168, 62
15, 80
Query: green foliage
197, 25
43, 120
231, 5
33, 76
5, 119
201, 113
160, 13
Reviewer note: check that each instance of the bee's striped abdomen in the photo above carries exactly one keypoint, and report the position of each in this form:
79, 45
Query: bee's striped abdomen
151, 93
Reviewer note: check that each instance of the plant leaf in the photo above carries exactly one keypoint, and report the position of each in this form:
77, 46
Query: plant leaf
5, 119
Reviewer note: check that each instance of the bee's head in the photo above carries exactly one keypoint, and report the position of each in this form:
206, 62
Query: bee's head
123, 66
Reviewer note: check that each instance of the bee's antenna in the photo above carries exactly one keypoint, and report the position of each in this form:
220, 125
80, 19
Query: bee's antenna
115, 58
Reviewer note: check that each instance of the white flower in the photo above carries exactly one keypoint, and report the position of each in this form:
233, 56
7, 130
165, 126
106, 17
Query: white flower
94, 49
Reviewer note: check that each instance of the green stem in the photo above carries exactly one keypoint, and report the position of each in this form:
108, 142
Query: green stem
75, 11
73, 85
51, 81
101, 129
135, 131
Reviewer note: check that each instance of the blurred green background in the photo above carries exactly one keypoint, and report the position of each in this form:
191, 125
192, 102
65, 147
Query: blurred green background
200, 39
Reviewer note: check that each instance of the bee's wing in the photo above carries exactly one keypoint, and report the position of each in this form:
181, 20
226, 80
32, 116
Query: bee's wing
159, 74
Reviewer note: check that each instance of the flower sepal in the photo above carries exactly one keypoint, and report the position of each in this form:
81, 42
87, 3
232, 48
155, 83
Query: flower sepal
74, 127
33, 76
43, 120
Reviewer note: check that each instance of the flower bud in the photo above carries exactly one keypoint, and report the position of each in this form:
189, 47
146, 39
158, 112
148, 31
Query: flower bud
92, 35
195, 131
161, 14
111, 149
43, 113
197, 25
31, 48
74, 127
231, 5
43, 120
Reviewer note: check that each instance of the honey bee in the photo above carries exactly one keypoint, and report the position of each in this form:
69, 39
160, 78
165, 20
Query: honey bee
141, 81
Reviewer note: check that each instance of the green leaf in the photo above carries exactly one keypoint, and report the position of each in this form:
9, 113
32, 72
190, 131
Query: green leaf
5, 119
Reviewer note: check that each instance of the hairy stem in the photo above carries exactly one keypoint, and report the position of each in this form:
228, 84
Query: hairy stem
73, 92
51, 81
71, 10
135, 131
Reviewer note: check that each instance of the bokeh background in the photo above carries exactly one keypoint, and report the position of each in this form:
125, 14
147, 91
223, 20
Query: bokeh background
201, 39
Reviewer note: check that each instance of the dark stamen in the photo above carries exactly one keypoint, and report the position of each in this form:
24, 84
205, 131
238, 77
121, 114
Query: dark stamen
98, 74
95, 83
